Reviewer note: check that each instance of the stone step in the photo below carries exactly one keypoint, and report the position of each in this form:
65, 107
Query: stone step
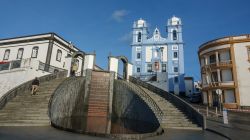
24, 124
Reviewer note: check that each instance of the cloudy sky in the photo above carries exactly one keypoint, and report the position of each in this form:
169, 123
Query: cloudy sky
105, 25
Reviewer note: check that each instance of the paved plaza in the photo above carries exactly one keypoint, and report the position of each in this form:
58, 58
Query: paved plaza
50, 133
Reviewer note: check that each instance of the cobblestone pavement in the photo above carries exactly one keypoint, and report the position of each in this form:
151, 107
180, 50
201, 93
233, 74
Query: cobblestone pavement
49, 133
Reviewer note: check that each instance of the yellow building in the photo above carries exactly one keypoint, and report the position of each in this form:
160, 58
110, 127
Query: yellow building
225, 69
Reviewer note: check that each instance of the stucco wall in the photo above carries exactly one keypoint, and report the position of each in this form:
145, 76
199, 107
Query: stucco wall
243, 73
42, 51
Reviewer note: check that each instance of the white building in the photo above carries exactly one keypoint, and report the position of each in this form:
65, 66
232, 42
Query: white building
225, 65
26, 57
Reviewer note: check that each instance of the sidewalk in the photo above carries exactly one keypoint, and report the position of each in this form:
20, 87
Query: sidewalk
228, 130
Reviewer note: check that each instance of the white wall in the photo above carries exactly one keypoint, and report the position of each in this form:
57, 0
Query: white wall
53, 61
113, 65
148, 54
129, 70
42, 51
12, 78
189, 86
243, 73
89, 61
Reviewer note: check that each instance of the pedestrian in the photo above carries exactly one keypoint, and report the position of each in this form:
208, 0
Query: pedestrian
35, 84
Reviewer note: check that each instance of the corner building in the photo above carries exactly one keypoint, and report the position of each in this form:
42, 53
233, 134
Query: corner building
159, 60
225, 66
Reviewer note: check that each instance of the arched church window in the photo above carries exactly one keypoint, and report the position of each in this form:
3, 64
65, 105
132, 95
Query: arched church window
139, 37
174, 35
59, 55
34, 52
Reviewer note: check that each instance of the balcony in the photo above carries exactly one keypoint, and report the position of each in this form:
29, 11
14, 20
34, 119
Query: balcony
218, 85
219, 65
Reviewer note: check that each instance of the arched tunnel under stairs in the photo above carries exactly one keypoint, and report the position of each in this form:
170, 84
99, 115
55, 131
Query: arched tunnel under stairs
167, 114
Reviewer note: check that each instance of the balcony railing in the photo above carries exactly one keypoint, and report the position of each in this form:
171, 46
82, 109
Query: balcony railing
48, 68
223, 63
218, 84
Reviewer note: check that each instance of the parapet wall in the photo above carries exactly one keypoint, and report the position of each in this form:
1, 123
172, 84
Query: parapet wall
66, 105
131, 112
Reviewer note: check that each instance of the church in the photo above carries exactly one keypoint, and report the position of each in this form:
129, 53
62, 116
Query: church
159, 60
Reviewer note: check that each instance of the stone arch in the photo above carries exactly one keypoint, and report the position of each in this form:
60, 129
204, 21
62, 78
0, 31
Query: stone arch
74, 56
124, 59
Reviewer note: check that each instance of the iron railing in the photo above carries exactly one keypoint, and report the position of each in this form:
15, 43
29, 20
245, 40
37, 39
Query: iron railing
48, 68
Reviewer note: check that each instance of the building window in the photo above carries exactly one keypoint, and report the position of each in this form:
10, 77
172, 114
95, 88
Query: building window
176, 79
214, 76
138, 70
138, 55
174, 35
59, 55
212, 59
164, 68
34, 52
174, 47
149, 68
175, 55
138, 48
19, 53
6, 54
176, 69
139, 37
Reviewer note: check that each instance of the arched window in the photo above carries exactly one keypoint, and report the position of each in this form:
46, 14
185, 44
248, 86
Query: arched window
6, 54
19, 53
34, 52
174, 35
139, 37
59, 55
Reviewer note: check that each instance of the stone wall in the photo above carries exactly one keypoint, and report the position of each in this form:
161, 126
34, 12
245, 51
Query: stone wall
130, 113
66, 105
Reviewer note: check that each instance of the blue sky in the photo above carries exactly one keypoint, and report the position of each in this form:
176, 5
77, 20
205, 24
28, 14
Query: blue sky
104, 25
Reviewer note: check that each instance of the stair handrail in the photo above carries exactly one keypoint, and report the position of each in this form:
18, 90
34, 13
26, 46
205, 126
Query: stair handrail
185, 107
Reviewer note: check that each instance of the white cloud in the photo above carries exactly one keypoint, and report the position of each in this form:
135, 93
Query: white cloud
119, 15
126, 37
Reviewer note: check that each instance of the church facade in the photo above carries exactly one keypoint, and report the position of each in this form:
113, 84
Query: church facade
157, 59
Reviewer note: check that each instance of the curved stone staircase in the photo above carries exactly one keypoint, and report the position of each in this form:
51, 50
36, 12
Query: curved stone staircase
27, 110
167, 114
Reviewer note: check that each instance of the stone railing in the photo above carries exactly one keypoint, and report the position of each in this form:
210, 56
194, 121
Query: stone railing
27, 86
185, 107
142, 94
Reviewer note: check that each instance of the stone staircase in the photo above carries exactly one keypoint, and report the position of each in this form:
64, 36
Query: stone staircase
169, 116
98, 103
29, 110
